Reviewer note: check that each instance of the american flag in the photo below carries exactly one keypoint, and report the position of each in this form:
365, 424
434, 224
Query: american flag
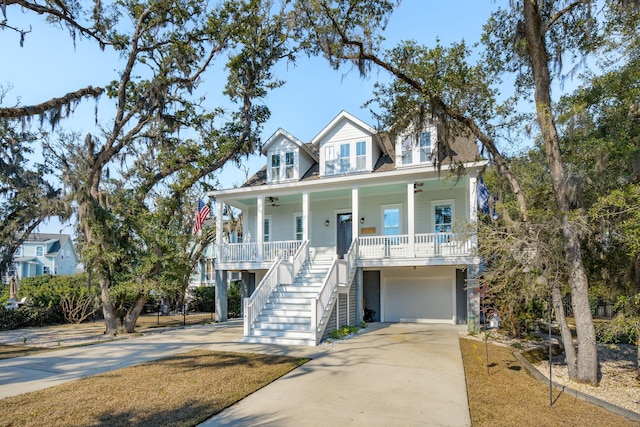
202, 214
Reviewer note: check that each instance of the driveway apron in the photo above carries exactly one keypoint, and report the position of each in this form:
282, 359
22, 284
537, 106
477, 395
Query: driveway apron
391, 375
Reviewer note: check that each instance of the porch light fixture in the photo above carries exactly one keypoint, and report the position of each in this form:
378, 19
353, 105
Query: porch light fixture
362, 220
326, 223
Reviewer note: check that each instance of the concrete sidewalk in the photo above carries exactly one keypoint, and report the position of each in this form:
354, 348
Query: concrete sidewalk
390, 375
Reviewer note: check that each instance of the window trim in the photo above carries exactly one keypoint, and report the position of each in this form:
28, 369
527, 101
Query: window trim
289, 169
267, 218
297, 215
361, 157
46, 269
39, 250
273, 168
436, 203
383, 208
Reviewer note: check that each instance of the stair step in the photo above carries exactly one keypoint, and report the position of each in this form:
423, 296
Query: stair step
278, 340
286, 313
289, 326
265, 319
282, 334
293, 298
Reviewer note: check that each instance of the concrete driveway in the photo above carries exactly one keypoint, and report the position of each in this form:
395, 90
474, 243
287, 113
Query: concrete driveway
391, 375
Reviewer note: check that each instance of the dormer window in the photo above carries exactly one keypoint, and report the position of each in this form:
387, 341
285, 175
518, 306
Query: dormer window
345, 161
288, 165
414, 152
361, 156
275, 167
425, 147
330, 160
282, 166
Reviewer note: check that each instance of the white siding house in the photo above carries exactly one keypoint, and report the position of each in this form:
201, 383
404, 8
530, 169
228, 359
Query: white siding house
363, 225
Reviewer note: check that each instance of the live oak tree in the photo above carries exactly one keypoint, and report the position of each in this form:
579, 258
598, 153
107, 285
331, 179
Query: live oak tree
527, 41
129, 181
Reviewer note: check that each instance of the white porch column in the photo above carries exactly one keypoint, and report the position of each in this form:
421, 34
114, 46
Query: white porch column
473, 207
219, 226
411, 217
355, 214
305, 215
260, 226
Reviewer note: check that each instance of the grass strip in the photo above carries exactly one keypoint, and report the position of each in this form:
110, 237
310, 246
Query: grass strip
502, 393
182, 390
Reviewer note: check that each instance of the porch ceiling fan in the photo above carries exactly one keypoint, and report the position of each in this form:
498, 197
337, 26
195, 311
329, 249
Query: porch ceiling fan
416, 187
274, 201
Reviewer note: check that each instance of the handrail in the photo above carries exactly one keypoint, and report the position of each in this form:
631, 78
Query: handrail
254, 304
321, 303
351, 257
299, 258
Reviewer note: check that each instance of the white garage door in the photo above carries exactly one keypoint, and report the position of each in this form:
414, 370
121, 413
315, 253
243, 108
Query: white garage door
418, 300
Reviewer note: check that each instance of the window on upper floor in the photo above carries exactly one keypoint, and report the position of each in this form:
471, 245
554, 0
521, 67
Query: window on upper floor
266, 230
361, 155
275, 167
425, 147
330, 160
39, 250
289, 165
414, 152
345, 158
282, 166
391, 220
18, 251
443, 216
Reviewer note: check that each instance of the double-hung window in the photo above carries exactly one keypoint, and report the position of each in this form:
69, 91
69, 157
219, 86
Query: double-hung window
345, 161
39, 251
425, 147
288, 165
443, 215
330, 160
275, 167
266, 231
391, 220
46, 269
361, 155
407, 150
298, 227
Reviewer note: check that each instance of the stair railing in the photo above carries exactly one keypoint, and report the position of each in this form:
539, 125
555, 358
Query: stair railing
299, 258
321, 304
254, 304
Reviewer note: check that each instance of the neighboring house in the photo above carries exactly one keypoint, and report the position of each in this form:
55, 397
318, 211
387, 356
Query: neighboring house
44, 253
354, 224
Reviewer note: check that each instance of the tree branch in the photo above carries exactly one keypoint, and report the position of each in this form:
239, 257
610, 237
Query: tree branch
53, 104
559, 14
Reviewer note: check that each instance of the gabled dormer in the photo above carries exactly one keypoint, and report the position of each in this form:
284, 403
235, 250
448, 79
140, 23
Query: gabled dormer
288, 159
347, 145
416, 145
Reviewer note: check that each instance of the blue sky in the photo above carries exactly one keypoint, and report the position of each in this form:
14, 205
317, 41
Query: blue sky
49, 65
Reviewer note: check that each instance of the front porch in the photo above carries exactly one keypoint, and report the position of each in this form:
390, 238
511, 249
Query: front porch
423, 248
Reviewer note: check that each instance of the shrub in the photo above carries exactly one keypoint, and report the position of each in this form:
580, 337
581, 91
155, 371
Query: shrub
343, 332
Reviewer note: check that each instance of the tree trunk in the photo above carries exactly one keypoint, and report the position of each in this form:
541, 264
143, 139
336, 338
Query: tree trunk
587, 358
134, 312
110, 318
565, 332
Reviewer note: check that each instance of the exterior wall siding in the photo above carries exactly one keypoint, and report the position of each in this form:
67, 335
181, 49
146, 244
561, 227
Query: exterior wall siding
353, 300
343, 320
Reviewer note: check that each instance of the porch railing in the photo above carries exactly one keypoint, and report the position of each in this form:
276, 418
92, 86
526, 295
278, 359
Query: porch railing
284, 249
425, 245
248, 252
321, 303
299, 258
